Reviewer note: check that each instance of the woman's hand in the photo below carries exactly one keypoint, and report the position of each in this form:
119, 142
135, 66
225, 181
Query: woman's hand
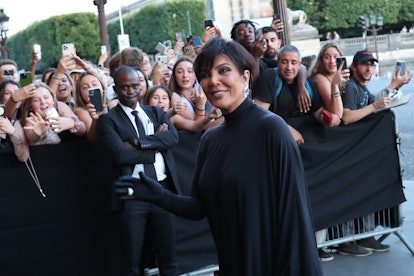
277, 24
24, 93
6, 126
200, 98
92, 111
60, 124
258, 48
179, 107
215, 114
209, 32
37, 124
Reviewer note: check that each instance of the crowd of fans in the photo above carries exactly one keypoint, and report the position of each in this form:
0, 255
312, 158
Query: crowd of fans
59, 108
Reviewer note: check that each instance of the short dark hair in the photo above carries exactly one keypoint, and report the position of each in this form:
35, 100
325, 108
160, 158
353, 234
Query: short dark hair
240, 22
267, 29
122, 69
232, 49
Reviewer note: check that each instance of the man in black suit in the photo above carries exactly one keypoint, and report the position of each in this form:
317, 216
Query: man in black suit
139, 139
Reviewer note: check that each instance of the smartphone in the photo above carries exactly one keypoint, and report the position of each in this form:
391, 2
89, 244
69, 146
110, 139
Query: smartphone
189, 39
68, 49
276, 16
400, 64
167, 43
2, 111
178, 36
197, 41
25, 78
259, 33
161, 58
37, 50
95, 98
8, 74
103, 49
160, 48
326, 117
339, 61
208, 23
51, 113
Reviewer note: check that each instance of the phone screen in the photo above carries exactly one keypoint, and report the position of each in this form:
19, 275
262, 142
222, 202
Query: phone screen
95, 98
276, 16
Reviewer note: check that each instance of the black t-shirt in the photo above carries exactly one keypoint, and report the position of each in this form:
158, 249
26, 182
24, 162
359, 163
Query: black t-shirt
286, 104
356, 96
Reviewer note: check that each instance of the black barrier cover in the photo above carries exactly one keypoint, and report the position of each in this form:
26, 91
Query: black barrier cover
351, 171
72, 231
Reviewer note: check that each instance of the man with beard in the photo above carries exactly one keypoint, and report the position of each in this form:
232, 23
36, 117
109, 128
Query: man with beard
244, 32
357, 100
273, 45
358, 103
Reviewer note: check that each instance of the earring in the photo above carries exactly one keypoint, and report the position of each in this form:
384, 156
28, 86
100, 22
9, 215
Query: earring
246, 90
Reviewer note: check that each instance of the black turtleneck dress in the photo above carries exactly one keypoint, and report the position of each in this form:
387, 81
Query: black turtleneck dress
250, 184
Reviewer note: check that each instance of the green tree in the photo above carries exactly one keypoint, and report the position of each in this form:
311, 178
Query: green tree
343, 15
79, 28
159, 22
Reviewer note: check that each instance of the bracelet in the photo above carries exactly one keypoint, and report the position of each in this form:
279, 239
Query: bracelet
56, 78
76, 127
198, 114
376, 108
199, 109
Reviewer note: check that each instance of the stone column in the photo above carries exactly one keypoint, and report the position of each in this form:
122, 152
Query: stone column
102, 25
281, 8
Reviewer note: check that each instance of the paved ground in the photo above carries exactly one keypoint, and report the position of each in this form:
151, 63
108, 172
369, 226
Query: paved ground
398, 261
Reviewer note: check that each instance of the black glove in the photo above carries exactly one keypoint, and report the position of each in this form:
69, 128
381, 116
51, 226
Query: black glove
146, 189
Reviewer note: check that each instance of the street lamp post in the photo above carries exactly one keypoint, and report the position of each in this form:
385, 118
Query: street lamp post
4, 27
375, 21
103, 31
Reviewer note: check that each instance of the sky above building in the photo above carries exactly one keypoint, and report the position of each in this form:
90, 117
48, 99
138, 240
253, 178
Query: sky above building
23, 13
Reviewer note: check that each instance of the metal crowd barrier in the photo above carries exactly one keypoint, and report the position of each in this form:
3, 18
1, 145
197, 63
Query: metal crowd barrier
384, 222
211, 270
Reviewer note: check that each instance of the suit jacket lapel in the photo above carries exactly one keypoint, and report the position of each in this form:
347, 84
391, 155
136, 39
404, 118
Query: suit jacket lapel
125, 119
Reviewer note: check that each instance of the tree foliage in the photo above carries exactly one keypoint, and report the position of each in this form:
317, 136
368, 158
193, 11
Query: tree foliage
78, 28
343, 15
159, 22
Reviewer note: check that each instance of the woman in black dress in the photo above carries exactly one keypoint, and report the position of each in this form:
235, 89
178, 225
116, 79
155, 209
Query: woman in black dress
249, 179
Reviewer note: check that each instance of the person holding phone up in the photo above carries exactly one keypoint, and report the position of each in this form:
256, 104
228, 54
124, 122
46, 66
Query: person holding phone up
90, 107
357, 100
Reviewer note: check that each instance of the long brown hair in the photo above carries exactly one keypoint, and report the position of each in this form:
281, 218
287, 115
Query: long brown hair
79, 101
173, 85
318, 68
